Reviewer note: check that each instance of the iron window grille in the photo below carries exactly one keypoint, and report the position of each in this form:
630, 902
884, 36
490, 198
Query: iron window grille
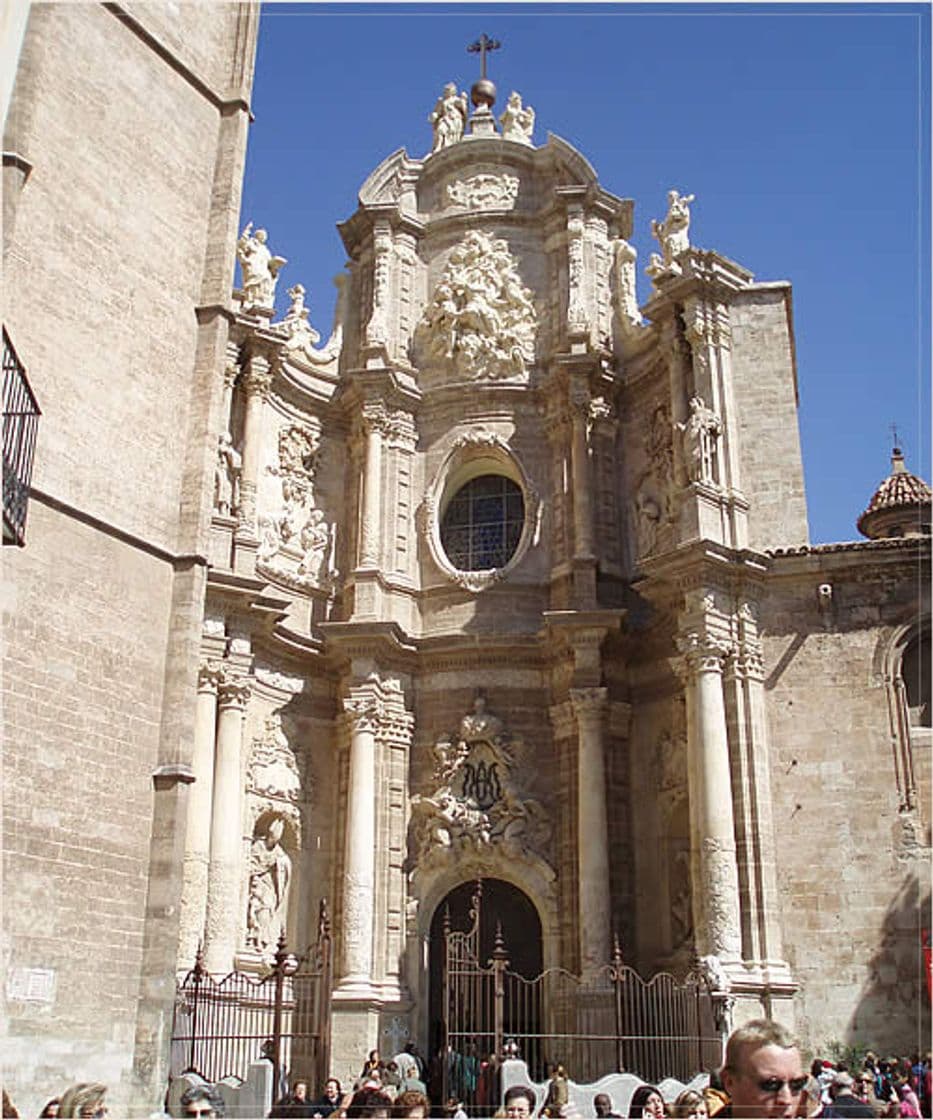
20, 423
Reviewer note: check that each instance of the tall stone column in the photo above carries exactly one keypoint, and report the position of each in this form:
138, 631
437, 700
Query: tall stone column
589, 707
256, 382
373, 417
363, 713
716, 886
223, 888
198, 828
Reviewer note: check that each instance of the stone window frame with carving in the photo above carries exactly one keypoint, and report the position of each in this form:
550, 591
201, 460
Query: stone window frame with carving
909, 722
473, 455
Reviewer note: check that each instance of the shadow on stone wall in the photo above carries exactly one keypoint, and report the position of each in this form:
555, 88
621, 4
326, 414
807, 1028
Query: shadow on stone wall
893, 1011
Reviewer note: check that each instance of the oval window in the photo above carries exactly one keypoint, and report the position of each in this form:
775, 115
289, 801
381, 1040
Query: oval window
482, 525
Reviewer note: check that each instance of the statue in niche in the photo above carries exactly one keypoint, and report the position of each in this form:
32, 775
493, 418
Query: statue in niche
626, 295
517, 122
648, 513
270, 873
701, 432
227, 476
259, 267
672, 233
448, 118
681, 909
480, 322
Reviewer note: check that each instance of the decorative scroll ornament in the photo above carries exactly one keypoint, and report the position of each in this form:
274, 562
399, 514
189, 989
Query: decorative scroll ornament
301, 338
672, 236
517, 122
626, 296
476, 806
481, 322
484, 191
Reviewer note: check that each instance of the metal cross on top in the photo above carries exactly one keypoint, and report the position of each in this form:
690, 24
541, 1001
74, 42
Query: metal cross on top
480, 47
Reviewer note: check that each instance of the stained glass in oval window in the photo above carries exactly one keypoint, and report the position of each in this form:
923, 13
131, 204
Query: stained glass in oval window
482, 525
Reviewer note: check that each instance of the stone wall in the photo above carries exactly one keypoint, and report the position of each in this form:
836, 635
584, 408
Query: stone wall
851, 862
133, 175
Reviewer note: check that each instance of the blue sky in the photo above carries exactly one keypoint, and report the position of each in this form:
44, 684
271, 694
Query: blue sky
802, 129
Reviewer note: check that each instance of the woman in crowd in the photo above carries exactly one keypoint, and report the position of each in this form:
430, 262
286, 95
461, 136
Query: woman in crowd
690, 1105
86, 1099
369, 1104
646, 1102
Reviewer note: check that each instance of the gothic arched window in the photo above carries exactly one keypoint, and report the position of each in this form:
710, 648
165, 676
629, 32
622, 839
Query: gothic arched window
482, 524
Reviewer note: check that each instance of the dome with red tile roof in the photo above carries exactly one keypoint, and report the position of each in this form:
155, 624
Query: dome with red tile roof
901, 505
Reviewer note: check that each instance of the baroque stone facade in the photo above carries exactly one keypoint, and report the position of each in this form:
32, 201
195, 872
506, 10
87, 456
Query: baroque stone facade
510, 579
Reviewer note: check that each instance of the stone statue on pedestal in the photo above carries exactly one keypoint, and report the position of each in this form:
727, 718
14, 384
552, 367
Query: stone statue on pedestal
260, 268
517, 122
449, 117
270, 874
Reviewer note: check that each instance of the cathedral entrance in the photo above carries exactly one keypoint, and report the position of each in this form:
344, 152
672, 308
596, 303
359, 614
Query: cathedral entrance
485, 939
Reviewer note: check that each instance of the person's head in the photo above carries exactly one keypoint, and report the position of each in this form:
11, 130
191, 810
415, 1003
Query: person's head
841, 1084
84, 1099
411, 1103
602, 1104
519, 1101
557, 1070
864, 1085
374, 1056
300, 1090
690, 1103
646, 1101
332, 1089
370, 1103
50, 1109
762, 1072
816, 1067
201, 1101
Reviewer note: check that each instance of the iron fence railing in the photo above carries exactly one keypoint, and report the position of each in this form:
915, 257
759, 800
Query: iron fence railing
222, 1025
20, 423
611, 1021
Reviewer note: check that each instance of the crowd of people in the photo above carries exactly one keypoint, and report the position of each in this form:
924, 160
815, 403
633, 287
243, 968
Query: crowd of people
762, 1076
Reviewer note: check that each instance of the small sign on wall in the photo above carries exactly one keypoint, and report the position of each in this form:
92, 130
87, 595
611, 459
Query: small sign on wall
31, 985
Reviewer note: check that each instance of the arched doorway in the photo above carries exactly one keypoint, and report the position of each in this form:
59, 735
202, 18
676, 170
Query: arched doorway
502, 907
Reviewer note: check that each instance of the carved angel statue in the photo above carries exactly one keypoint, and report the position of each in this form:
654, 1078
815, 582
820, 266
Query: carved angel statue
449, 117
517, 122
270, 873
227, 476
259, 267
672, 233
701, 432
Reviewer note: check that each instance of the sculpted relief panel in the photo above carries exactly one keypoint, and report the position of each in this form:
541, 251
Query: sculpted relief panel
477, 806
296, 544
480, 322
483, 191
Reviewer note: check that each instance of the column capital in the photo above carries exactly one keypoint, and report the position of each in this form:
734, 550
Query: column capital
234, 692
257, 377
210, 676
702, 653
589, 703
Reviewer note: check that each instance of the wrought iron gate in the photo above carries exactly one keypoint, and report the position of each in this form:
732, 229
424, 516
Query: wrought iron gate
222, 1026
613, 1021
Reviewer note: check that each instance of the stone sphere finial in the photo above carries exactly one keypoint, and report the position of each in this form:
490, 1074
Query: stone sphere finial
483, 92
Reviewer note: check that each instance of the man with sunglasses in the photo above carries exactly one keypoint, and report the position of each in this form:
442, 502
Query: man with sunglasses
763, 1074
